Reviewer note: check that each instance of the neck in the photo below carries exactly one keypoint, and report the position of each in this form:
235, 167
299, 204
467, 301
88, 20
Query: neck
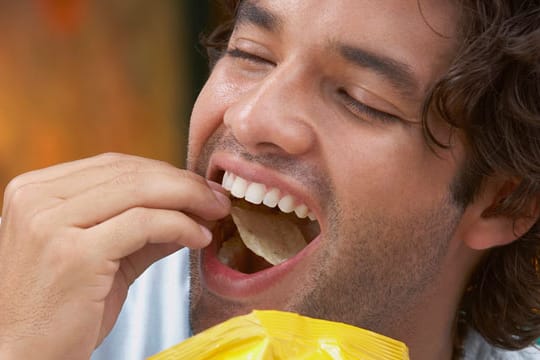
428, 329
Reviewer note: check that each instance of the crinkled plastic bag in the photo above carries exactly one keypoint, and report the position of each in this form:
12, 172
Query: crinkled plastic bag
277, 335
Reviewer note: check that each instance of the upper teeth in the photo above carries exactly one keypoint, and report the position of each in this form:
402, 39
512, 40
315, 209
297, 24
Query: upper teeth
257, 193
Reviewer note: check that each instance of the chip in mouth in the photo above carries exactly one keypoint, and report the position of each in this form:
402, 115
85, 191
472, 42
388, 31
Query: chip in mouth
256, 237
272, 237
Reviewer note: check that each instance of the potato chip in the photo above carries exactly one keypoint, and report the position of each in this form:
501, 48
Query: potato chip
271, 236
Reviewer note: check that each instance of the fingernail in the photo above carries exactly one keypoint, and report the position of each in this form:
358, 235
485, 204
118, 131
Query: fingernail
223, 199
207, 233
215, 186
220, 192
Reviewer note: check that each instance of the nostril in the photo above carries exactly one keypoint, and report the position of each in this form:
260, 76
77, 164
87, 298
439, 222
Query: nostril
268, 147
291, 138
267, 127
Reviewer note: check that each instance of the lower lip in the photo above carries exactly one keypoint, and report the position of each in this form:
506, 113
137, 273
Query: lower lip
224, 281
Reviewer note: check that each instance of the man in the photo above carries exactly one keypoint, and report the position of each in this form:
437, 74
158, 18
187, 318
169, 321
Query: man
403, 134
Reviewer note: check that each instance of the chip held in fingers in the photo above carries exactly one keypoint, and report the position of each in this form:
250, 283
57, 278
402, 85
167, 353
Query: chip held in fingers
274, 238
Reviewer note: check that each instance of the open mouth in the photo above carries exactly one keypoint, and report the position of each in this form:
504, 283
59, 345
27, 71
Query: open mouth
266, 227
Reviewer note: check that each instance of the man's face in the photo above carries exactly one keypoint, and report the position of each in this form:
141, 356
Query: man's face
321, 100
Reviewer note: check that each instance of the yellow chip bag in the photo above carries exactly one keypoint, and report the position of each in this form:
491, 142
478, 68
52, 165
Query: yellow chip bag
277, 335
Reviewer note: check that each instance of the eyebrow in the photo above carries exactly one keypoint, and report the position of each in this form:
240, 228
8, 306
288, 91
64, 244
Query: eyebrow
398, 73
250, 13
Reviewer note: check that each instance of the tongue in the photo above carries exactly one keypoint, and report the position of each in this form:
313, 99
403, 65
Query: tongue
270, 235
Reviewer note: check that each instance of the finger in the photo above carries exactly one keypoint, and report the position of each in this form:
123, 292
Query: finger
134, 265
65, 169
86, 178
131, 230
217, 187
183, 191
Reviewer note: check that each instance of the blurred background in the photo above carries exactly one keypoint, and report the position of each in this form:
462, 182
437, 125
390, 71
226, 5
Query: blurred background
82, 77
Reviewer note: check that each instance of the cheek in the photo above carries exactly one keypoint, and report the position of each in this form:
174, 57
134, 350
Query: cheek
390, 171
207, 115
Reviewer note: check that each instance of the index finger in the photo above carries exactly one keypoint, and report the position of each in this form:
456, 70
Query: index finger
183, 191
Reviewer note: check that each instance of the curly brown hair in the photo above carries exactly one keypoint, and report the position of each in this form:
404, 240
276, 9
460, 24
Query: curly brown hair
491, 92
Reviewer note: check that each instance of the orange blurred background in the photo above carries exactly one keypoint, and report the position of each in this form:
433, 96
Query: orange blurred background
81, 77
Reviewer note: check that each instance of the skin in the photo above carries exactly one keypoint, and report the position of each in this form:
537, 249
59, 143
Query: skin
392, 256
76, 235
395, 249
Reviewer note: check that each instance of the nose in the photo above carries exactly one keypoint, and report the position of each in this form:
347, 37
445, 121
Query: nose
273, 115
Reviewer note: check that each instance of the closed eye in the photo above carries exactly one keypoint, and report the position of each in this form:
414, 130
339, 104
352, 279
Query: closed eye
240, 54
362, 110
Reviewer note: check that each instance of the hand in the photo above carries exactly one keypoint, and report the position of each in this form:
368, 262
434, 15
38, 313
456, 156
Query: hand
75, 236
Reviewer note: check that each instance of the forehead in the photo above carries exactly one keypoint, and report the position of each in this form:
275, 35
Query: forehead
418, 33
439, 16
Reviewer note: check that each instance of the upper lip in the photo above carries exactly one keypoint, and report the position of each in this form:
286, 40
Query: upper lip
256, 172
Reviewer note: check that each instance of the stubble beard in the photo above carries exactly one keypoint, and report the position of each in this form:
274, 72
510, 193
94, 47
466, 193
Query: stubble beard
372, 282
370, 270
